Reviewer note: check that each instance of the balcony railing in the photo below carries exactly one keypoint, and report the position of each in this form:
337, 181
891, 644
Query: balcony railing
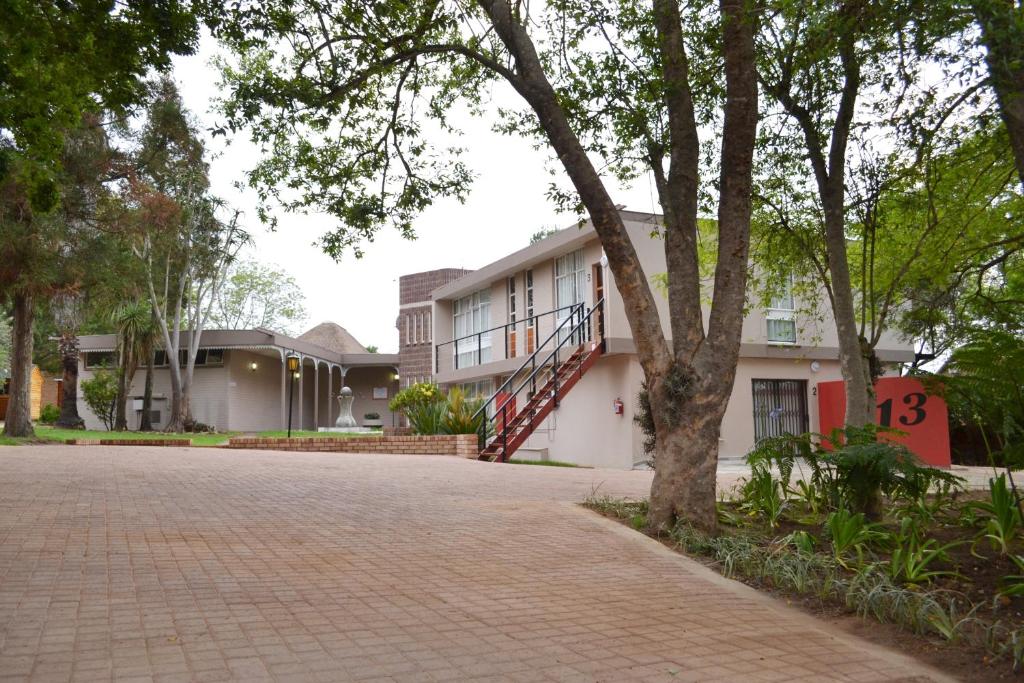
511, 340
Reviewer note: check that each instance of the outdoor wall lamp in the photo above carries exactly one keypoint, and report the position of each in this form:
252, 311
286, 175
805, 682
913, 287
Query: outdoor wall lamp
253, 365
293, 368
395, 377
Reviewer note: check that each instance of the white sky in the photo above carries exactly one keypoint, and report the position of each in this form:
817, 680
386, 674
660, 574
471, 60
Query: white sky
506, 206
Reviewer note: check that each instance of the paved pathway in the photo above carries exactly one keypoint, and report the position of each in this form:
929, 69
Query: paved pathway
206, 565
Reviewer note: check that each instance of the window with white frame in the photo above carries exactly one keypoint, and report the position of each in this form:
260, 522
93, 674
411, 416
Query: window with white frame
570, 285
472, 315
781, 316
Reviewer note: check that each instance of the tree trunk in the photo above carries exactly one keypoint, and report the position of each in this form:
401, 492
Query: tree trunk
19, 411
121, 407
860, 392
187, 421
174, 422
686, 463
69, 417
146, 423
1002, 32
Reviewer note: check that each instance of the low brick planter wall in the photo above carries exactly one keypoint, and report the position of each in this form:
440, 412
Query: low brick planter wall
461, 445
129, 442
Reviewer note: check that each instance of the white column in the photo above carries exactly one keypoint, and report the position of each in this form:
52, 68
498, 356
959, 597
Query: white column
316, 394
330, 392
302, 393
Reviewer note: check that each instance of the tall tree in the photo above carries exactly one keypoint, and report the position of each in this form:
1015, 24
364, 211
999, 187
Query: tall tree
184, 245
838, 72
58, 63
338, 114
258, 295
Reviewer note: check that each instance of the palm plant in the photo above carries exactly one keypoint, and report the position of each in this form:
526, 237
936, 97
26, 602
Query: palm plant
134, 338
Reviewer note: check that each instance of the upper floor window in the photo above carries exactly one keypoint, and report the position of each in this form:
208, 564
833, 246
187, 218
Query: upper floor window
570, 284
472, 315
781, 316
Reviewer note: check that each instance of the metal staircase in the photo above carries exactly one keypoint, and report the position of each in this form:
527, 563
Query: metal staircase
546, 379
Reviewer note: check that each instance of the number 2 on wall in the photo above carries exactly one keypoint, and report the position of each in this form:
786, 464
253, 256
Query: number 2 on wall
915, 403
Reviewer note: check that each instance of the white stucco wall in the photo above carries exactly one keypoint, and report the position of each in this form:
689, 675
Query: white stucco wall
584, 429
209, 396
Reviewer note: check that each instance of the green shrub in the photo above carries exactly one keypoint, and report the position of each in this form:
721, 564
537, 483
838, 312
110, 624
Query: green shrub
431, 411
414, 395
856, 472
763, 495
911, 555
100, 394
423, 404
1002, 516
459, 418
428, 417
49, 414
852, 534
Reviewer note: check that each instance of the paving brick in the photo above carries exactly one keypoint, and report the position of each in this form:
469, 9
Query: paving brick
173, 564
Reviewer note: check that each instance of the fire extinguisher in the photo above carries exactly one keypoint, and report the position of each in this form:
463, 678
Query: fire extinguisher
618, 407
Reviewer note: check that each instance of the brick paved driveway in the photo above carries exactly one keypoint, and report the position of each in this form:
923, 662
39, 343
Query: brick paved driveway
199, 564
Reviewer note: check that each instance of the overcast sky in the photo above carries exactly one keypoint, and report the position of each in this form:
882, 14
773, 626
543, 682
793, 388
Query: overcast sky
506, 206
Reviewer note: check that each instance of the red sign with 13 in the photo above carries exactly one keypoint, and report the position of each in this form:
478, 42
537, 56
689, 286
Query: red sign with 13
903, 404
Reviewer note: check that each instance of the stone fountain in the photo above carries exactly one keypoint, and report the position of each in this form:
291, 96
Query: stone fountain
345, 422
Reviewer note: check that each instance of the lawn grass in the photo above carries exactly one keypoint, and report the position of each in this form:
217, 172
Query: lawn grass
545, 463
296, 434
45, 433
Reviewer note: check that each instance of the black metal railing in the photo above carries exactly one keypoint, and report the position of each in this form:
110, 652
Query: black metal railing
579, 332
474, 343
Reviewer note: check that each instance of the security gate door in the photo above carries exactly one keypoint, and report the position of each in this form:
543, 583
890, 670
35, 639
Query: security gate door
780, 407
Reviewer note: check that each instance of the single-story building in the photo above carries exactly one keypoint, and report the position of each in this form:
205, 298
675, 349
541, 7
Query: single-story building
241, 381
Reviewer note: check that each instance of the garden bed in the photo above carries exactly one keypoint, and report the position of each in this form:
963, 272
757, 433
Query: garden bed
956, 602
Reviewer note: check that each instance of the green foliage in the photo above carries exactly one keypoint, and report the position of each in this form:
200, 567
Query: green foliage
60, 61
427, 417
1013, 584
256, 295
371, 416
852, 534
644, 419
851, 475
543, 233
1001, 513
415, 394
763, 495
459, 417
431, 411
801, 540
983, 384
49, 414
100, 394
911, 555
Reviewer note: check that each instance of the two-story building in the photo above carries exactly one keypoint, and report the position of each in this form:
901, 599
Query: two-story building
488, 323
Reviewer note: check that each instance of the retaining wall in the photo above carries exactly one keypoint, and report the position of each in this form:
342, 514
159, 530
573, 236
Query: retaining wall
461, 445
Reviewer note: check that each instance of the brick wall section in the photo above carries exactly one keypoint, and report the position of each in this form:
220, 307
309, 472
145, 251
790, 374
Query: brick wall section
129, 442
461, 445
416, 357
